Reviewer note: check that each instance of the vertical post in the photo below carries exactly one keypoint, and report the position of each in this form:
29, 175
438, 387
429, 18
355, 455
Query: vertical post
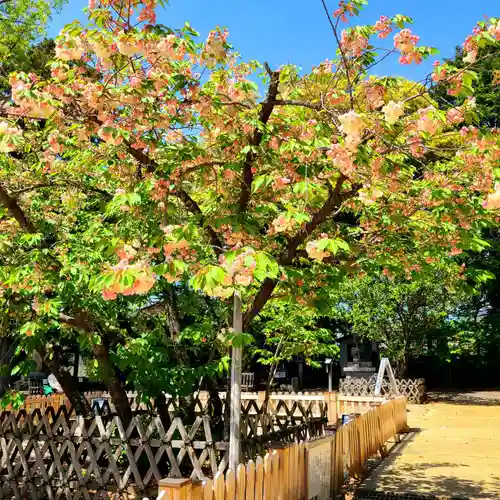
76, 362
235, 414
330, 377
301, 373
174, 489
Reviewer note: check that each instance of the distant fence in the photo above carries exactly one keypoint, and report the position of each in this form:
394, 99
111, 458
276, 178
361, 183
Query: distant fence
412, 389
297, 406
315, 470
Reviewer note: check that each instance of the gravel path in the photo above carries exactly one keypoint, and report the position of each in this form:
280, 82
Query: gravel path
453, 451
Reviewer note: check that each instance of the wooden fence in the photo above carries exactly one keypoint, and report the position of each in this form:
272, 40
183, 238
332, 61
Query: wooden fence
315, 470
413, 389
59, 454
287, 407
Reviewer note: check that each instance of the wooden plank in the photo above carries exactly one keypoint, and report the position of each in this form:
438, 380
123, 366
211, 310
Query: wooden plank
287, 473
208, 489
259, 479
230, 485
293, 471
241, 475
219, 486
276, 484
196, 492
250, 492
268, 468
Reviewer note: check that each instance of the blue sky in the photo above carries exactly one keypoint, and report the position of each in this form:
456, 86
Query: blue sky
296, 31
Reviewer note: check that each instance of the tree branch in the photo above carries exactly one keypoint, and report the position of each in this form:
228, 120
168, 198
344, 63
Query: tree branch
265, 113
184, 196
195, 209
74, 184
334, 200
16, 211
297, 102
342, 54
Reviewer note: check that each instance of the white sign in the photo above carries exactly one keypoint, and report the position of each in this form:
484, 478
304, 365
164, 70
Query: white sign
280, 375
319, 469
385, 365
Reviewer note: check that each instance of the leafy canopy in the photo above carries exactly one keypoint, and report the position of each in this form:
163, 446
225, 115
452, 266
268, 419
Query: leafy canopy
148, 158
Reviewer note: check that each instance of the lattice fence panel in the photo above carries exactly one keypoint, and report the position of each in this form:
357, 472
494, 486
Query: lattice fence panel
413, 389
60, 455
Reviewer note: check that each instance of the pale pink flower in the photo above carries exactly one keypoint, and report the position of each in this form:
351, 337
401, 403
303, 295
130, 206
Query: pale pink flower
392, 111
455, 115
352, 123
493, 200
383, 26
314, 252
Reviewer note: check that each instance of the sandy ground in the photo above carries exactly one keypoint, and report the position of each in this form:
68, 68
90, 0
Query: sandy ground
452, 450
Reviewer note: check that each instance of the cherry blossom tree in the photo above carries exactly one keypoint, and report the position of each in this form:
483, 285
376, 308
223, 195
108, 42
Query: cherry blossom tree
149, 158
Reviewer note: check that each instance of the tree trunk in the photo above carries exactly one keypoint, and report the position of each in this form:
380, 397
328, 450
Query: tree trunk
174, 325
113, 382
162, 409
70, 387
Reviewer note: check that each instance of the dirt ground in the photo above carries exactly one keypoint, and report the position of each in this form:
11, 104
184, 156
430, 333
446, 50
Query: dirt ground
453, 450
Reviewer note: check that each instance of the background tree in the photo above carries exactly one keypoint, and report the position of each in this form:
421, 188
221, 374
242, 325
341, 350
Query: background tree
486, 69
403, 314
23, 26
158, 164
285, 331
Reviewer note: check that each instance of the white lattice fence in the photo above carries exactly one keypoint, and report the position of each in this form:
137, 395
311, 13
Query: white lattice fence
53, 455
413, 389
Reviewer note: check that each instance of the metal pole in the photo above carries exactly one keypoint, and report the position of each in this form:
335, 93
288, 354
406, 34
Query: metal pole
235, 414
330, 377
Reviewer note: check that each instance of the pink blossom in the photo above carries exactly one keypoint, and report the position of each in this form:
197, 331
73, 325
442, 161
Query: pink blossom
493, 200
455, 115
383, 26
314, 252
405, 41
353, 43
426, 122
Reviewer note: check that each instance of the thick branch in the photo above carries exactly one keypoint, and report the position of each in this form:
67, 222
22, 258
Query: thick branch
16, 211
79, 321
333, 202
189, 203
297, 102
263, 295
265, 112
195, 209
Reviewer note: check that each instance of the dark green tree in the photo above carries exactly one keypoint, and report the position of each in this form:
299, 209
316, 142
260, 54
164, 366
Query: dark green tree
486, 91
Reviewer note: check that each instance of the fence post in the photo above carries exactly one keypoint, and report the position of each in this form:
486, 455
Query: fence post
174, 489
235, 409
331, 401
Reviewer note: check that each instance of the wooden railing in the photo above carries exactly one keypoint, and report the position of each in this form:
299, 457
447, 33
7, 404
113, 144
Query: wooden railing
304, 470
294, 405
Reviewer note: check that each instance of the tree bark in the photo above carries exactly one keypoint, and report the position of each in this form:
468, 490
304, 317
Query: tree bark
113, 383
70, 386
174, 324
15, 211
162, 409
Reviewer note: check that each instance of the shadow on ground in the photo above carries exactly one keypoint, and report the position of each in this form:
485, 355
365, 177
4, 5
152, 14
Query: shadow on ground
410, 481
479, 398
